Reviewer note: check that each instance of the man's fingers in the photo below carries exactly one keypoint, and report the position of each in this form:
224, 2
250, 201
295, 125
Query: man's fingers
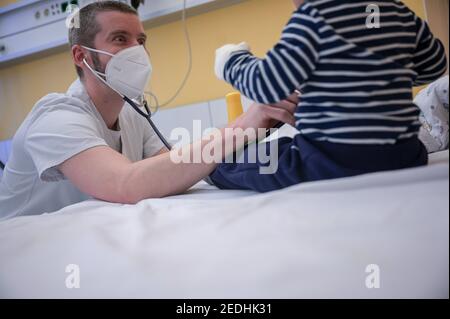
294, 98
279, 114
286, 105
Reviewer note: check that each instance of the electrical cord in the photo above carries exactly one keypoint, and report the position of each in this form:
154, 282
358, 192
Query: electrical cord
189, 69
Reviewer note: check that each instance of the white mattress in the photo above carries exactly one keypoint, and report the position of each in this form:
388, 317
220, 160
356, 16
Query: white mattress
309, 241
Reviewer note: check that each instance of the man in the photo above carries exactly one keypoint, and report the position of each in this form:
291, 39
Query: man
86, 143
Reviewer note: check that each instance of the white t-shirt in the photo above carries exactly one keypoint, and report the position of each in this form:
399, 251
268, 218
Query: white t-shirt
58, 127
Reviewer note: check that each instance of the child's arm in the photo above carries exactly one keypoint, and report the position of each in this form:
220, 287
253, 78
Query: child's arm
430, 61
284, 69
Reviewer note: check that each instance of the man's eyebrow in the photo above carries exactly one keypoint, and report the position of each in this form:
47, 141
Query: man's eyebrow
126, 33
118, 32
143, 35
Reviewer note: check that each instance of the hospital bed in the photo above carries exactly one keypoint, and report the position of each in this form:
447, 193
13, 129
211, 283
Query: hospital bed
318, 240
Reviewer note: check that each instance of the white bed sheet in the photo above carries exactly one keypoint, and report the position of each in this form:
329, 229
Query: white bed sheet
309, 241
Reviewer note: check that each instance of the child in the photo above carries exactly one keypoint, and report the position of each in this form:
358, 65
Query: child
356, 113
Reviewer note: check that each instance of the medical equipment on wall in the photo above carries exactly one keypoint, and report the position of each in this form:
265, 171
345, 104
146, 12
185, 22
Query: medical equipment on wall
31, 29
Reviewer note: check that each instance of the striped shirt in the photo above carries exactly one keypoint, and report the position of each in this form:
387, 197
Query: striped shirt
356, 81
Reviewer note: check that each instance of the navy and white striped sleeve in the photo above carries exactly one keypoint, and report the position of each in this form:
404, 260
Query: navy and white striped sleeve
430, 61
284, 69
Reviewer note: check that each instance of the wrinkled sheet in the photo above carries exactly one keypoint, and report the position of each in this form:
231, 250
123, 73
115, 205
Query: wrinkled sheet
308, 241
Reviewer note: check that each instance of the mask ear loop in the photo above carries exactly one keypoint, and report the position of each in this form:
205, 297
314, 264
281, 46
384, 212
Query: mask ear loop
96, 74
147, 115
142, 102
125, 98
97, 51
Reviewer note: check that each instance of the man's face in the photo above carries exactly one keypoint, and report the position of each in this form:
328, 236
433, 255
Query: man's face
118, 32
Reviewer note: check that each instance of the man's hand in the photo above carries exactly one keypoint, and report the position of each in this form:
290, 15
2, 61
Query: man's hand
260, 116
294, 97
105, 174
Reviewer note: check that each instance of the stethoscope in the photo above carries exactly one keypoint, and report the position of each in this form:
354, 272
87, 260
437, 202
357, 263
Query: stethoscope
148, 117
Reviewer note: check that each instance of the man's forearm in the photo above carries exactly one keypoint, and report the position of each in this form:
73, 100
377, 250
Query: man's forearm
106, 174
161, 176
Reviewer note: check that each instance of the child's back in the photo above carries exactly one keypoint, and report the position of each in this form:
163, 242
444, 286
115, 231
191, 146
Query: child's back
356, 78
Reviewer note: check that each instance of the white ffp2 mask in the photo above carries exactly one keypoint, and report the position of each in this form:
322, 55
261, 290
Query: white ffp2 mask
128, 71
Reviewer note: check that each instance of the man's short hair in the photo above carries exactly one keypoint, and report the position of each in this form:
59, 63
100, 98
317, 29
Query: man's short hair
88, 25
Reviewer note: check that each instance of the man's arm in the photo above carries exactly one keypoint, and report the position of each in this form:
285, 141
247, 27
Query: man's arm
108, 175
163, 151
105, 174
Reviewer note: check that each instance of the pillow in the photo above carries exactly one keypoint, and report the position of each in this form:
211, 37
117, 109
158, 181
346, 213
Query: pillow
433, 102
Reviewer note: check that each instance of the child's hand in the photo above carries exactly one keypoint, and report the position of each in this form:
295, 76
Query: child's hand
224, 54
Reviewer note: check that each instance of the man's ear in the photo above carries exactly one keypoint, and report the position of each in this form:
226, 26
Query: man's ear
78, 54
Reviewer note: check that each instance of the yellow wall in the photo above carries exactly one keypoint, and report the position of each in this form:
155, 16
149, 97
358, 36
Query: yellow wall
417, 6
6, 2
258, 22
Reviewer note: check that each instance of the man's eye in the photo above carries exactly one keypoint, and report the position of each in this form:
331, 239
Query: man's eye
119, 39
